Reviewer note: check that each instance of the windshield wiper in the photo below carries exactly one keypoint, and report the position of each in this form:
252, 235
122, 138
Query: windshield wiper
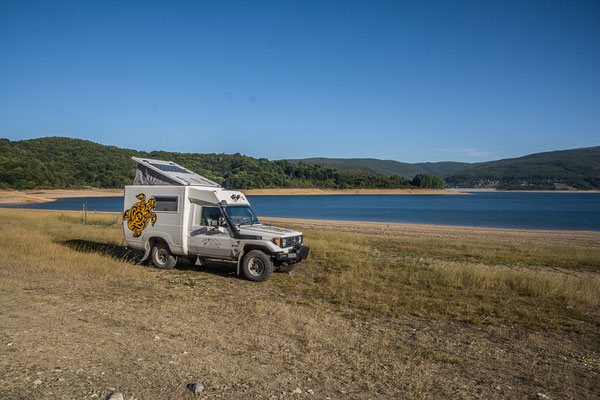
249, 223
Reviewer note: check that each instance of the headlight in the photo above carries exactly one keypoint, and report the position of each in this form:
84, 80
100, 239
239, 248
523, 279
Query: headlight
289, 241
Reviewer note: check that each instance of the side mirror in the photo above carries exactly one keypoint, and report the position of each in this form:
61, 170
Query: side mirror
222, 229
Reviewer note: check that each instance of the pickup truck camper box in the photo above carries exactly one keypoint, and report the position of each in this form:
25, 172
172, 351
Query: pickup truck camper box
172, 212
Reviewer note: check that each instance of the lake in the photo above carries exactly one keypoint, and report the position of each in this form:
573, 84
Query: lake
565, 211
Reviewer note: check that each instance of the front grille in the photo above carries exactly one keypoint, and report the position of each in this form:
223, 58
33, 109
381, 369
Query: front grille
291, 241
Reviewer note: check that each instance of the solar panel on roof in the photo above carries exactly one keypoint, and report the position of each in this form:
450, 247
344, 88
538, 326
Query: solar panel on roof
159, 172
169, 168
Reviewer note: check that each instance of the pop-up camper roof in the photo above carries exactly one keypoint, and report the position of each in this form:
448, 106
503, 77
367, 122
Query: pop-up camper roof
159, 172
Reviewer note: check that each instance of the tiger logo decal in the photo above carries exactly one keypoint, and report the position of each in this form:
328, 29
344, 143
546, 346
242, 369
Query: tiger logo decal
139, 214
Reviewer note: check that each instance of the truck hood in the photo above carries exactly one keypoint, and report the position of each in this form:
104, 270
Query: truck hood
267, 231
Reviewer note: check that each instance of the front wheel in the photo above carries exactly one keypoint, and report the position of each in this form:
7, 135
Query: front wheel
162, 257
257, 266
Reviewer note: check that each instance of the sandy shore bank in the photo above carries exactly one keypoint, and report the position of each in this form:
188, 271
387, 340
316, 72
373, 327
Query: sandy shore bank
42, 196
296, 192
486, 190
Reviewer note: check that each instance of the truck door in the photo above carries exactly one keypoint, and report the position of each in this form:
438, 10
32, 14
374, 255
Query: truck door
209, 236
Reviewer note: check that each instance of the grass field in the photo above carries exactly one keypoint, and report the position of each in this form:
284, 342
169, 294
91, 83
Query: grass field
392, 313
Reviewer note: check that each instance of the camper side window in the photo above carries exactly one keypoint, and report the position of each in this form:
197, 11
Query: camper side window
165, 203
212, 216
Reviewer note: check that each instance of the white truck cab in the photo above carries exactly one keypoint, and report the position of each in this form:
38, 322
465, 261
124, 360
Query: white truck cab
171, 212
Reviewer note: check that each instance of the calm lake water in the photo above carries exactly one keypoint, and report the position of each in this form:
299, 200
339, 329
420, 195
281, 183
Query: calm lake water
574, 211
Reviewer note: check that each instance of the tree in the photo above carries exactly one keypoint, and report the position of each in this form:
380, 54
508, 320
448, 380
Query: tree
428, 181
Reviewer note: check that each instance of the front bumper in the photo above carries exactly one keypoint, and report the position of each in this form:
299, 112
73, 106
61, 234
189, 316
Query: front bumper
297, 254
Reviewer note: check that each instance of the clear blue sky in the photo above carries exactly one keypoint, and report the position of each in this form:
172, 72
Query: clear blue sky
409, 81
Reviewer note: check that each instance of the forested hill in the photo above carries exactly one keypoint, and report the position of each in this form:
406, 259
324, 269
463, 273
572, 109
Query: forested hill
388, 167
58, 162
578, 168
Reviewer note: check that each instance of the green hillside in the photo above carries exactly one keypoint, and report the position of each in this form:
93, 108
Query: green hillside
578, 168
58, 162
388, 167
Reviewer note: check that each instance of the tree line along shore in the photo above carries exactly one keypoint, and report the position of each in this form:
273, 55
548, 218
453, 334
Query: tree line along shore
56, 162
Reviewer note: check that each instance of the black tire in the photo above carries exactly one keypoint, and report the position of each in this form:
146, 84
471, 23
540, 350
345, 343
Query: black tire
162, 257
257, 266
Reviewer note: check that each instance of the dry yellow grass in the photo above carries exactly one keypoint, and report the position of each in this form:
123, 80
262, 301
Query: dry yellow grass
367, 316
400, 277
34, 242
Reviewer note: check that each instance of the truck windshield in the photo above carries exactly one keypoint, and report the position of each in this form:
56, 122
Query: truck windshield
241, 215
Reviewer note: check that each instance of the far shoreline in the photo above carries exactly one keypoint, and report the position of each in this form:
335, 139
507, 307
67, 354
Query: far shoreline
50, 195
329, 192
489, 190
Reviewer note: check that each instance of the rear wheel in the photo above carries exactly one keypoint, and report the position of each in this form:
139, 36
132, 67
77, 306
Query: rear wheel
162, 257
257, 266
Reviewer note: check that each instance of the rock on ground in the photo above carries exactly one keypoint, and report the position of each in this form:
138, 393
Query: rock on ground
196, 388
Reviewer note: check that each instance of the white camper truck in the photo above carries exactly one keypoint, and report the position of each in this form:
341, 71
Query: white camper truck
172, 212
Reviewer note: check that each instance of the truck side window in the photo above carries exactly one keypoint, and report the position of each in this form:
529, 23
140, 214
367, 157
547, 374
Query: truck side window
165, 203
212, 216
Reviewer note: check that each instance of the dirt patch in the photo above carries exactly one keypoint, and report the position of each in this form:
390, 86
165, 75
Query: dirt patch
247, 342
